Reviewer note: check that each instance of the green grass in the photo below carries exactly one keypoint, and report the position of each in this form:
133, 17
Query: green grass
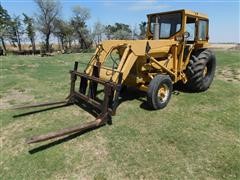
195, 137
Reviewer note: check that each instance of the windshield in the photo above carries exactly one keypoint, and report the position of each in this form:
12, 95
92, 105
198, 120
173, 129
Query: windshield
169, 24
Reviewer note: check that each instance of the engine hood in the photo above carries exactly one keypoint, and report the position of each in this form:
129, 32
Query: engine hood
138, 47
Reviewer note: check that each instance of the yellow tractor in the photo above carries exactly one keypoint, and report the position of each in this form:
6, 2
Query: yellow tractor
175, 50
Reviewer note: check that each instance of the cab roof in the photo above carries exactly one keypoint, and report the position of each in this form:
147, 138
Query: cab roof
186, 12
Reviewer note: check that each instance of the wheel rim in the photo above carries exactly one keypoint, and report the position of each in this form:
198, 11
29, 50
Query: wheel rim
163, 93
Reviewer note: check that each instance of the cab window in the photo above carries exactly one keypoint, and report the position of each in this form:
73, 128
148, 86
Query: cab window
191, 28
169, 24
202, 30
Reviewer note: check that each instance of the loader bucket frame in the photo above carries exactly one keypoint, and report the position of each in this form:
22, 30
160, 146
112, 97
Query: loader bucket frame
88, 90
86, 93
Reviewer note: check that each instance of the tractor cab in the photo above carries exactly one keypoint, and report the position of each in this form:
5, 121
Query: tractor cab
179, 25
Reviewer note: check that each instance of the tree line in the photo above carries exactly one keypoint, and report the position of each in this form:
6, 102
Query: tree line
72, 33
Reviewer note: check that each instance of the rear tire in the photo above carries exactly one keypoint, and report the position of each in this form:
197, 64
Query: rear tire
201, 70
159, 91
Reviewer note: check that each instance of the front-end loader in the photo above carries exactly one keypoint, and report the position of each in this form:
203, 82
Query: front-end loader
175, 51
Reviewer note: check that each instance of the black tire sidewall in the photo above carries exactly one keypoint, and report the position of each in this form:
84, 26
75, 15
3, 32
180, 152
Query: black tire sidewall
211, 66
196, 81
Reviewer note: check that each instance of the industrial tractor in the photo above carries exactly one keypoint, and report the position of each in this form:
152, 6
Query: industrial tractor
175, 51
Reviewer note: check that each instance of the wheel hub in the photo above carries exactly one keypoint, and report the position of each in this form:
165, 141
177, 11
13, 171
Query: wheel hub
163, 93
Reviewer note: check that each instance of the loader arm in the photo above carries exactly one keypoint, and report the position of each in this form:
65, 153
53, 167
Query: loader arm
103, 55
129, 52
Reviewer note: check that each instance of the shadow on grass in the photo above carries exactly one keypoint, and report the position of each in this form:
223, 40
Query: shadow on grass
128, 95
91, 110
40, 110
180, 87
88, 108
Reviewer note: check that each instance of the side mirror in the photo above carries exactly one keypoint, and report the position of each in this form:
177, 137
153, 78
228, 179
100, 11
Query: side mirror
186, 35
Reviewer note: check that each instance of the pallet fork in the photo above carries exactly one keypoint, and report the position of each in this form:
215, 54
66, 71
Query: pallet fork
86, 93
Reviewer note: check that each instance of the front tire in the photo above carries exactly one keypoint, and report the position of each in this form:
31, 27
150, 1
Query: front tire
200, 70
159, 91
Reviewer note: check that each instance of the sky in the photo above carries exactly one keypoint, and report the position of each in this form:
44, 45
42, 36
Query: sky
223, 14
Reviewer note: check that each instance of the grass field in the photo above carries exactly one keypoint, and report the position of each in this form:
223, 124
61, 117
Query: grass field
195, 137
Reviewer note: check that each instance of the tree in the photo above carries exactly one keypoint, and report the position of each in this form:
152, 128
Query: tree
98, 30
81, 15
135, 32
59, 31
142, 27
30, 30
64, 32
48, 12
118, 31
69, 34
108, 31
121, 34
5, 23
16, 32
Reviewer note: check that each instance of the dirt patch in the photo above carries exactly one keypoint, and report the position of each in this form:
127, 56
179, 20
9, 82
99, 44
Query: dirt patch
222, 46
16, 66
11, 136
15, 97
230, 75
7, 140
33, 65
236, 48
